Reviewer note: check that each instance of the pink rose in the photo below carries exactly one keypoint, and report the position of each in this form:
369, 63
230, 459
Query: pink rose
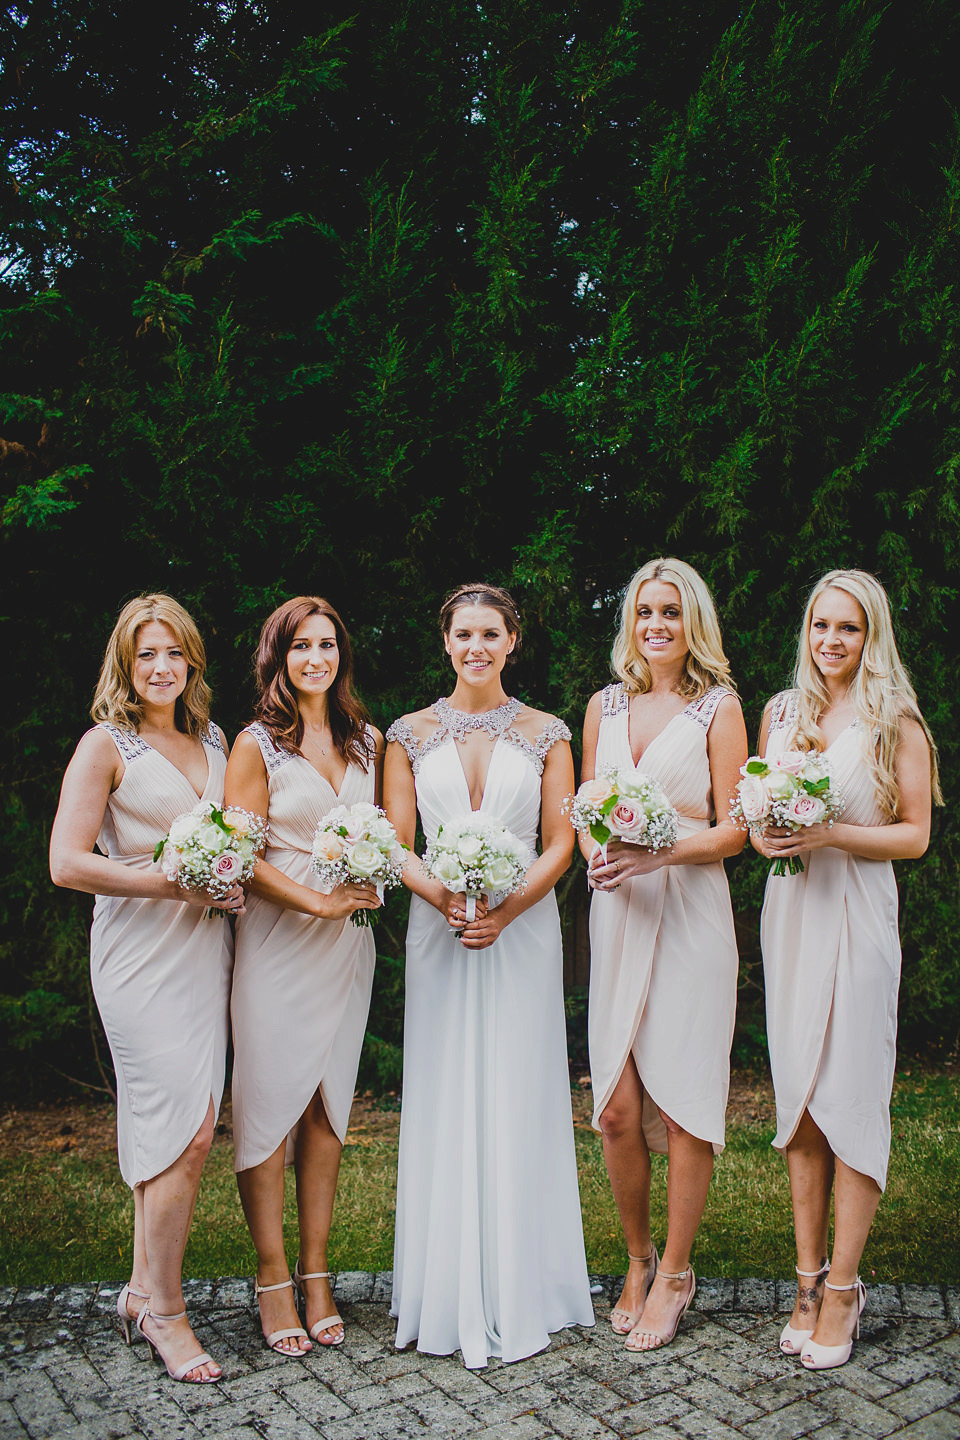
805, 810
595, 792
754, 801
227, 866
792, 761
628, 821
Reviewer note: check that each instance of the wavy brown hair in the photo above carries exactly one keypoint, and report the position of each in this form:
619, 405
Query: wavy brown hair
115, 699
493, 596
277, 706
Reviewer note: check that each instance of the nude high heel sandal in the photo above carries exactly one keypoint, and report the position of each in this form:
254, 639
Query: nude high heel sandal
828, 1357
632, 1316
657, 1337
182, 1371
272, 1341
792, 1341
128, 1326
298, 1279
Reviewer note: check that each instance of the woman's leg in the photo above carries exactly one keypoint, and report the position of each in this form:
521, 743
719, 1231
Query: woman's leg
689, 1171
856, 1197
318, 1166
628, 1165
810, 1165
261, 1195
168, 1202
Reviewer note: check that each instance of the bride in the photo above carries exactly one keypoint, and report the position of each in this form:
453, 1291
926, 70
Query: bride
489, 1252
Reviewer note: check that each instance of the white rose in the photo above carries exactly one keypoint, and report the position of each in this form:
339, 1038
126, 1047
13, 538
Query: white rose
469, 848
499, 873
780, 785
381, 831
364, 859
182, 828
211, 838
449, 872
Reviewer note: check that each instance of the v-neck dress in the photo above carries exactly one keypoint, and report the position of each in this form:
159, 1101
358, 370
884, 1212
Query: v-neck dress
831, 964
160, 969
489, 1256
301, 985
663, 953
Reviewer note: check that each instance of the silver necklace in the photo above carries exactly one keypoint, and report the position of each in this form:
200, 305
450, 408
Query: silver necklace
459, 723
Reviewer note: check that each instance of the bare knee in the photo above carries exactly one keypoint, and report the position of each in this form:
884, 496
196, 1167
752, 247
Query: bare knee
199, 1148
618, 1121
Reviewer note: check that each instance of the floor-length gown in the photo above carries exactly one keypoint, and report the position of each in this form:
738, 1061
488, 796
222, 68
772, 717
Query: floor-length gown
301, 985
663, 954
831, 963
160, 969
489, 1252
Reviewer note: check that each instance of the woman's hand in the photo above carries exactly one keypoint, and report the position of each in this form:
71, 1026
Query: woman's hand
344, 899
485, 929
233, 903
454, 908
779, 844
623, 862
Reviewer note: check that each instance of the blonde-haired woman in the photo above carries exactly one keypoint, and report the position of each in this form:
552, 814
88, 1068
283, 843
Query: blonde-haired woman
831, 950
663, 955
160, 970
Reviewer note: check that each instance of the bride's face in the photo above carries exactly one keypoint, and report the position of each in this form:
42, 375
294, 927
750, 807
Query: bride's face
478, 643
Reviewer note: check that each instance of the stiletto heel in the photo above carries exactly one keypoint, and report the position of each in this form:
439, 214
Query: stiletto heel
632, 1316
656, 1336
272, 1341
829, 1357
182, 1371
128, 1326
298, 1279
792, 1340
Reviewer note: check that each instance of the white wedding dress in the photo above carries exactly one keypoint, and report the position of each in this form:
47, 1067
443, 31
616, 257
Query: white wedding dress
489, 1252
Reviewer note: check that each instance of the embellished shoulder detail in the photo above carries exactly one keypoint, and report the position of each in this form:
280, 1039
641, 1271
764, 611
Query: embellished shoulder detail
613, 700
704, 707
273, 757
402, 732
212, 739
128, 742
783, 710
538, 749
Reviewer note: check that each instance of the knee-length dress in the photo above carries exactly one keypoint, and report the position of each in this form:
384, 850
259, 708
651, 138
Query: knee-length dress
301, 985
663, 954
160, 969
831, 964
489, 1254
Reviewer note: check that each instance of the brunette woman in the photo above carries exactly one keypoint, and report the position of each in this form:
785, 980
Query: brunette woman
303, 973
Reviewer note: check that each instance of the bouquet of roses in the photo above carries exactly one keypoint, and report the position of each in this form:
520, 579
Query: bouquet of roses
358, 842
624, 805
212, 849
475, 853
790, 792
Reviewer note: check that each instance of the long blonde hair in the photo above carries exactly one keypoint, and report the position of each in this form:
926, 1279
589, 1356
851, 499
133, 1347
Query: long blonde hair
706, 664
881, 691
116, 700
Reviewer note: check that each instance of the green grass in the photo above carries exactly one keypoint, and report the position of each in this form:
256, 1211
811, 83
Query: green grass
68, 1219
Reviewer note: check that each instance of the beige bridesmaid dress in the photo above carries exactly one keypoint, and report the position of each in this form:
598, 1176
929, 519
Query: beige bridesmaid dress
301, 985
831, 963
160, 969
663, 955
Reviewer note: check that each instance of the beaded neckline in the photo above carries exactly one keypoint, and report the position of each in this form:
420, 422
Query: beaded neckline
459, 723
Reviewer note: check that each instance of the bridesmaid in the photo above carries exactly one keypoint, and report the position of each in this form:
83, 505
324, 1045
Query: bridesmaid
663, 954
304, 973
160, 970
831, 951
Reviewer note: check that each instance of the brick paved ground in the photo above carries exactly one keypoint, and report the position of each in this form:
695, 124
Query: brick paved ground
65, 1375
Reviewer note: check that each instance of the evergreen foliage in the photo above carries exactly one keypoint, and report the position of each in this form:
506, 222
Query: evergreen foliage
433, 292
